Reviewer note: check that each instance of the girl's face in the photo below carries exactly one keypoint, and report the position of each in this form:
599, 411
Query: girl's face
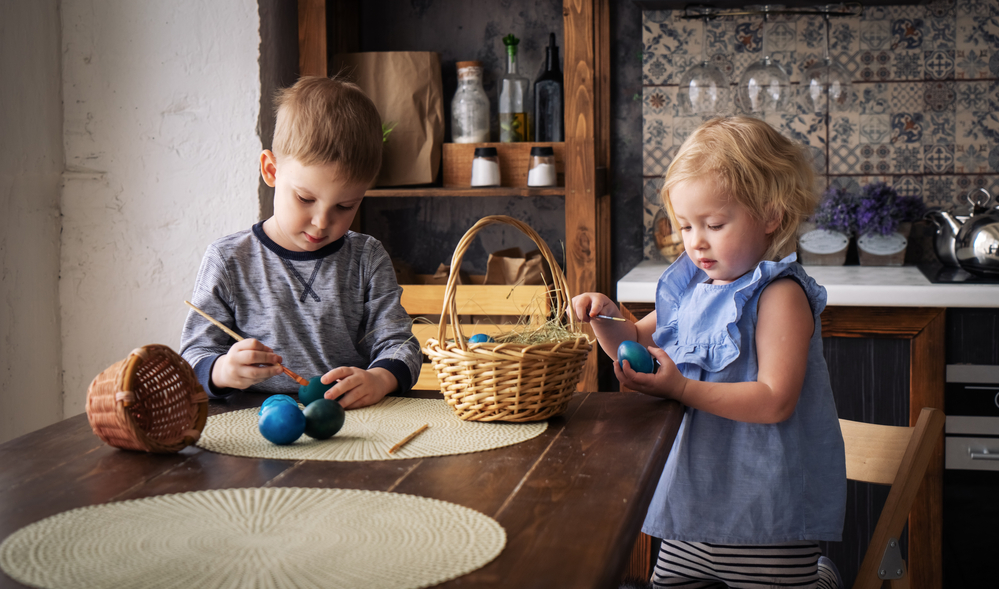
720, 235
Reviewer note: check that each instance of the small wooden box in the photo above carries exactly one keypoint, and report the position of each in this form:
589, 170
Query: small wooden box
514, 158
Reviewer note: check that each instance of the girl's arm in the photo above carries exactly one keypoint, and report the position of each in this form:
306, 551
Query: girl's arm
783, 332
611, 333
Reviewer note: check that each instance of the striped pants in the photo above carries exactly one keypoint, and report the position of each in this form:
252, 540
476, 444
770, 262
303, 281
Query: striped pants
697, 564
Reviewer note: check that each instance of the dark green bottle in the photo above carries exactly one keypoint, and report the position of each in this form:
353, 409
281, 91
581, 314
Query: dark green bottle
548, 100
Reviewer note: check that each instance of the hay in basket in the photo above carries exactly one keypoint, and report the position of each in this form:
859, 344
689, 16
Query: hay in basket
149, 401
509, 380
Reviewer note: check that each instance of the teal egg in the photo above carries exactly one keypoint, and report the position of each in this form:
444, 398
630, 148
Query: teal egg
314, 390
637, 356
480, 338
323, 418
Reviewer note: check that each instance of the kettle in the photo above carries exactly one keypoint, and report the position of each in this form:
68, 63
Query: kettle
970, 242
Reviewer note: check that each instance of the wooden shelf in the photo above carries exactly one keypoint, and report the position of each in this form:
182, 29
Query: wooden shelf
439, 191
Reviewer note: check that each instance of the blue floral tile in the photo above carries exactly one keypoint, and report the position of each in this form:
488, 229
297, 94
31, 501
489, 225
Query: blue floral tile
939, 33
938, 191
906, 33
938, 159
844, 129
970, 32
844, 159
971, 64
748, 36
907, 127
658, 69
907, 159
874, 99
972, 158
967, 183
875, 128
939, 128
940, 96
940, 9
908, 185
977, 127
844, 35
874, 159
974, 7
907, 97
939, 64
972, 95
874, 66
875, 35
908, 65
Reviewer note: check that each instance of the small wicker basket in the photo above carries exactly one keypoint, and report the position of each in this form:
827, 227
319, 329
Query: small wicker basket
507, 381
149, 401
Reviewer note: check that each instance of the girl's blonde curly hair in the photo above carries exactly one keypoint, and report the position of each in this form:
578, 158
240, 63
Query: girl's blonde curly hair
761, 169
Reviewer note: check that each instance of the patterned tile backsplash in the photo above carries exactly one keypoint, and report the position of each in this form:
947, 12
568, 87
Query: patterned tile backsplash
925, 79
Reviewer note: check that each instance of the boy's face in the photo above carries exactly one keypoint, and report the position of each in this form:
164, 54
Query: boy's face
313, 206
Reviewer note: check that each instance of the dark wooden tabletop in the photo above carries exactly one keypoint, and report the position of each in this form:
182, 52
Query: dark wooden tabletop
571, 500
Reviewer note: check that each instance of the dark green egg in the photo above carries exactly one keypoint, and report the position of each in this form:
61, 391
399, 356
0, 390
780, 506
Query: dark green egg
323, 418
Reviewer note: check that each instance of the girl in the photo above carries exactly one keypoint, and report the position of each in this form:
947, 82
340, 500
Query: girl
756, 476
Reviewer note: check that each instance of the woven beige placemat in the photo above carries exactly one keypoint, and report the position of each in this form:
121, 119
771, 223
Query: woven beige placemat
257, 537
369, 433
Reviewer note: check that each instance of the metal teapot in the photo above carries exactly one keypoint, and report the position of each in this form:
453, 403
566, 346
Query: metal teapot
970, 241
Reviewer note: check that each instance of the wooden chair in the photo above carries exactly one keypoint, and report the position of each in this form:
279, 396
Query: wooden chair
896, 456
491, 309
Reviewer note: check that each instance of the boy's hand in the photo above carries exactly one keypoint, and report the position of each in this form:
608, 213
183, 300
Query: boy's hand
247, 363
666, 381
590, 304
359, 387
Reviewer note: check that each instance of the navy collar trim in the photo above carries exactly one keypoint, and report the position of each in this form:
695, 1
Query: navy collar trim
326, 250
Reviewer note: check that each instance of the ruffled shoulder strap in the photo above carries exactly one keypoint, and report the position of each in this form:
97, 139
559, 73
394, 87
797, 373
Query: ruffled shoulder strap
707, 332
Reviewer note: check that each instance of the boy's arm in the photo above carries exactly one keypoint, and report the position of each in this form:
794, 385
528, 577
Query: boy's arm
202, 343
389, 329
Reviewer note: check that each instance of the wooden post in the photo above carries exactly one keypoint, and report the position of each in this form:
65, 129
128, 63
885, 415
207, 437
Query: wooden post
312, 38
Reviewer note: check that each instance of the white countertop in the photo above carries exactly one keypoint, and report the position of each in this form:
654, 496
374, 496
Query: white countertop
849, 286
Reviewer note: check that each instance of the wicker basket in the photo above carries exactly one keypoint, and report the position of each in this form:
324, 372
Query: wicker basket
507, 381
149, 401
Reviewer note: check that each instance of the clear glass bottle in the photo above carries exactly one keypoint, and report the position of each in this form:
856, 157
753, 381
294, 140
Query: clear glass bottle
513, 97
548, 98
470, 105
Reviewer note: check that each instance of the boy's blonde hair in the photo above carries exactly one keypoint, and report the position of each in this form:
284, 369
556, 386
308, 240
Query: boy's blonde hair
329, 121
761, 169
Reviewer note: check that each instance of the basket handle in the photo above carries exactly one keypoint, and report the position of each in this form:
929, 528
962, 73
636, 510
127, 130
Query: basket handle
450, 309
136, 357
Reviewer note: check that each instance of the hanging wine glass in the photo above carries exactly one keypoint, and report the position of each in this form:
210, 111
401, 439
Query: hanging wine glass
827, 87
764, 86
703, 88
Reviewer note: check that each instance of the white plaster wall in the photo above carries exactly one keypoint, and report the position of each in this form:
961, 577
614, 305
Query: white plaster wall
161, 103
30, 168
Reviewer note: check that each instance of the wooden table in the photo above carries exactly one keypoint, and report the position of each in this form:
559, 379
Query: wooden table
571, 500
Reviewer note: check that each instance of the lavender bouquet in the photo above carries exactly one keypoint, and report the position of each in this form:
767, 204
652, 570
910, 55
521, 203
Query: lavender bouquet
880, 209
837, 211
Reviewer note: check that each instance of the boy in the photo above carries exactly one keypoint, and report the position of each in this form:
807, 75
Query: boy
325, 298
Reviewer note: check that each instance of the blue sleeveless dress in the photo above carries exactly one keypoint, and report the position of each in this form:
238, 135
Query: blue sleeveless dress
739, 483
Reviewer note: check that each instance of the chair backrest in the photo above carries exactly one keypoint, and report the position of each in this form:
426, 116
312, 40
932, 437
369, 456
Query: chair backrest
487, 309
896, 456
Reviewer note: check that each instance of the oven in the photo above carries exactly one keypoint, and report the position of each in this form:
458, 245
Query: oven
971, 477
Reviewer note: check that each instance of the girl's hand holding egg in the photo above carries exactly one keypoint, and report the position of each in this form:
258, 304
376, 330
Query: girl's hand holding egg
314, 390
323, 419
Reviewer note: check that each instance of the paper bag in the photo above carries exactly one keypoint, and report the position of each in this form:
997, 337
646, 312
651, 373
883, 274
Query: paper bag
407, 91
511, 266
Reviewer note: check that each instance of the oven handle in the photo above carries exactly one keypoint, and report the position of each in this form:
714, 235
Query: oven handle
983, 455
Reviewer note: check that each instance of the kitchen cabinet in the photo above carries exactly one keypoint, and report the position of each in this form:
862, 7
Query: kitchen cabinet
329, 27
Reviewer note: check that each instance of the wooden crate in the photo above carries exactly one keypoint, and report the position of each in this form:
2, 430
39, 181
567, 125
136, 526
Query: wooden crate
515, 159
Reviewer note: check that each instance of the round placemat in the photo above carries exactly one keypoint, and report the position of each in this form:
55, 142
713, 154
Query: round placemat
370, 432
256, 537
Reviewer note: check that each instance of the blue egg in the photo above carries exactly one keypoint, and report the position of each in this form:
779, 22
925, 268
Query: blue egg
637, 356
480, 338
282, 423
270, 401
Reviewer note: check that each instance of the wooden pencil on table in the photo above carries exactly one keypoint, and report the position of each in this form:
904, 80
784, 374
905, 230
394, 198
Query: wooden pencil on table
406, 440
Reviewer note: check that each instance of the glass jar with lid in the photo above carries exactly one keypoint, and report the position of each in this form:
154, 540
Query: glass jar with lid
470, 105
542, 167
485, 167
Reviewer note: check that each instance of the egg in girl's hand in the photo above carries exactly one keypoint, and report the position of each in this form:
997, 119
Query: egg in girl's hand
637, 356
282, 423
269, 401
480, 338
314, 390
323, 418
